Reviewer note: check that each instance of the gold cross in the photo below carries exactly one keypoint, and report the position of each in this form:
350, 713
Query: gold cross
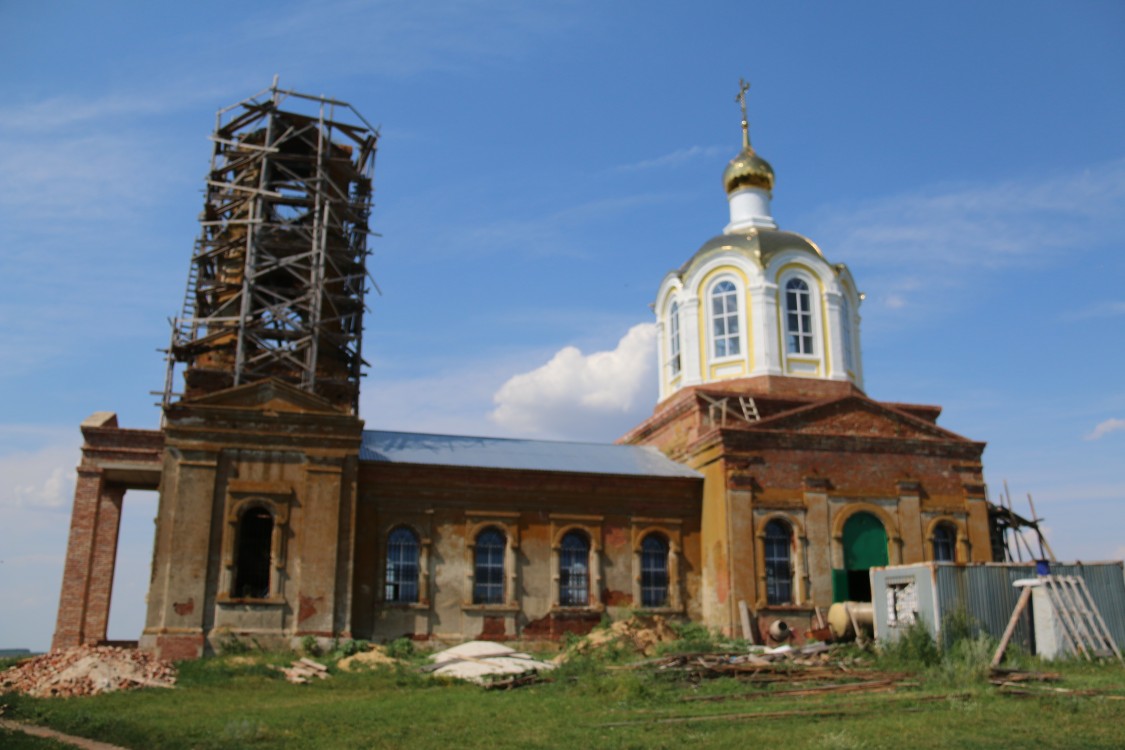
743, 87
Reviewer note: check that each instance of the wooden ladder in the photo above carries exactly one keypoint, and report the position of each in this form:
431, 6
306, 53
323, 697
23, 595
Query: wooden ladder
1078, 614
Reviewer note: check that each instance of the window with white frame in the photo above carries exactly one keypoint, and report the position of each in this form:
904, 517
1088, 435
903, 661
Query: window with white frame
798, 318
674, 339
488, 567
401, 583
654, 571
724, 320
574, 570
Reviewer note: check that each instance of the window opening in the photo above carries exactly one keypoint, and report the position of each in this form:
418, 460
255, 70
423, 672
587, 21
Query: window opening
798, 317
654, 571
902, 603
846, 335
944, 539
574, 570
402, 566
488, 579
724, 319
674, 339
779, 570
255, 534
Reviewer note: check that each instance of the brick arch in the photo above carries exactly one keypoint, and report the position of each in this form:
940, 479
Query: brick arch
591, 536
643, 532
960, 537
793, 522
894, 535
889, 525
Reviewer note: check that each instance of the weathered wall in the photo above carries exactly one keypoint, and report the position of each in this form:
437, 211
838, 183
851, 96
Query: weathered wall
265, 446
447, 507
813, 464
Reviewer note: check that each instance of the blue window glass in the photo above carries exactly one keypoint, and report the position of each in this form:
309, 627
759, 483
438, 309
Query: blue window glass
488, 578
574, 570
779, 571
654, 571
944, 539
402, 566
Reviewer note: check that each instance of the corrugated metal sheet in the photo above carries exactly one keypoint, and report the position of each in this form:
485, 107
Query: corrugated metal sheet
987, 594
506, 453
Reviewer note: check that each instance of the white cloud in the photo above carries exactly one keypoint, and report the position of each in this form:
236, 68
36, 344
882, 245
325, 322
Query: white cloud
1104, 428
1098, 310
952, 228
558, 233
453, 402
576, 396
674, 158
68, 112
952, 237
402, 39
42, 478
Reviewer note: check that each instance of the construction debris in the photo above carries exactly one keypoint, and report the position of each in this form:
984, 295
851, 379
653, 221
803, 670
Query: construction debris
375, 657
812, 663
87, 670
640, 635
489, 664
300, 671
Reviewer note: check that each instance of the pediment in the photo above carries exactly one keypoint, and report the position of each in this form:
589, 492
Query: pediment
856, 416
266, 396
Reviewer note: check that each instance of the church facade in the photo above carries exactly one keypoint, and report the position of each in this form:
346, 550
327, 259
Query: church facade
765, 484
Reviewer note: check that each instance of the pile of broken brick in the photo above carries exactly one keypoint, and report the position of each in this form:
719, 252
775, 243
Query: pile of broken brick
87, 670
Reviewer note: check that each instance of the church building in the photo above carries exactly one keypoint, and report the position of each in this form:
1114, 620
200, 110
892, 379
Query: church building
765, 484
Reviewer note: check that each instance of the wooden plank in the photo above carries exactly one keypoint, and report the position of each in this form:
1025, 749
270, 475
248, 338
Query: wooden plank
744, 614
1021, 605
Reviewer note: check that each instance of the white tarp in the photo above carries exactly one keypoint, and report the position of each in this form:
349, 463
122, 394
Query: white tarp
481, 662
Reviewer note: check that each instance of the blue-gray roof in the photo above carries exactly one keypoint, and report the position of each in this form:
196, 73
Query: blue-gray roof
507, 453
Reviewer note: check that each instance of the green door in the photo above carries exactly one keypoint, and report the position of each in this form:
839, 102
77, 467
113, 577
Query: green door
865, 547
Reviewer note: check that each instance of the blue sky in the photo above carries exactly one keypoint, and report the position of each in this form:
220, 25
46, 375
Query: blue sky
542, 166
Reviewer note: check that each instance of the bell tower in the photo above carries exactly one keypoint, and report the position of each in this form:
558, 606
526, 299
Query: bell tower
278, 275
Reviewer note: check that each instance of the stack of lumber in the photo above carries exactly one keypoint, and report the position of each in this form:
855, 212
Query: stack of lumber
302, 671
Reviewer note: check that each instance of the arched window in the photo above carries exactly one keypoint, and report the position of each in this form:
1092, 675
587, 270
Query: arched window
255, 536
674, 339
945, 537
846, 334
574, 570
724, 319
402, 566
779, 571
654, 571
798, 318
488, 572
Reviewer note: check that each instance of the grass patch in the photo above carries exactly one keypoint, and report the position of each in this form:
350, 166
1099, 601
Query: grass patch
237, 701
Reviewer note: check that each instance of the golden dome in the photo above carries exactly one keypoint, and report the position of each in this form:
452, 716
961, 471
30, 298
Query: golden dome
747, 170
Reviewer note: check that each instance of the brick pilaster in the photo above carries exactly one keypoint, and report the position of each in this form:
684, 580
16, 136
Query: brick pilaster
91, 555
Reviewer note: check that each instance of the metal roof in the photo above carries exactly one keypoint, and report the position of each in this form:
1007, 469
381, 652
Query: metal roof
508, 453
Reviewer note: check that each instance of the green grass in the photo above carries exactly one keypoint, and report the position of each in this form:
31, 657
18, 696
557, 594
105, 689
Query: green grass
229, 702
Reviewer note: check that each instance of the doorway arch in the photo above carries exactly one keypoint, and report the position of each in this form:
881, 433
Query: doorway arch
865, 547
